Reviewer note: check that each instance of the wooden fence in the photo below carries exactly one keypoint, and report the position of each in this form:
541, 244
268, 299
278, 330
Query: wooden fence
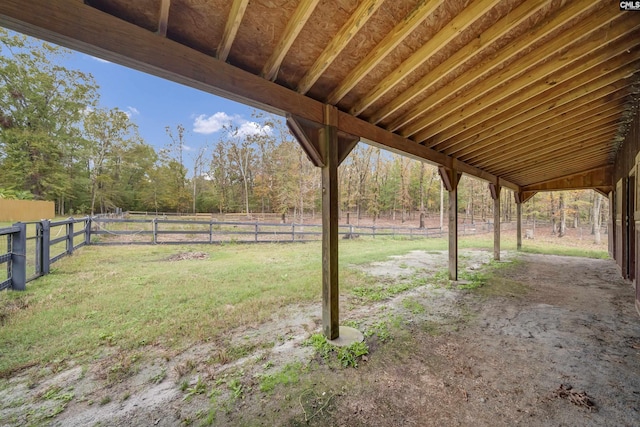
33, 246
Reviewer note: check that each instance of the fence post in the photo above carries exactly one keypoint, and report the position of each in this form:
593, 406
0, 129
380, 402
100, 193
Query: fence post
70, 237
154, 223
410, 233
256, 239
45, 248
19, 258
293, 232
374, 231
87, 231
210, 231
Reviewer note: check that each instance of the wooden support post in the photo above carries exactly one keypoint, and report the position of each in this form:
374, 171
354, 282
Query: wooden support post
450, 179
326, 148
330, 299
495, 195
70, 232
519, 198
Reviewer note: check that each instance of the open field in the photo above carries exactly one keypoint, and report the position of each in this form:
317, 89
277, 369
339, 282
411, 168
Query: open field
123, 320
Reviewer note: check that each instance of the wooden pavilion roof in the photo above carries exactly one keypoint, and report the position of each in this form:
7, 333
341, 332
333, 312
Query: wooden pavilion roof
531, 94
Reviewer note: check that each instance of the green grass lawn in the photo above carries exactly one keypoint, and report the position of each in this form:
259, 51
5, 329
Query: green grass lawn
126, 297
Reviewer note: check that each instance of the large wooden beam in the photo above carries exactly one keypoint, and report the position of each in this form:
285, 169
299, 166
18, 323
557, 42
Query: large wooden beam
435, 44
86, 29
330, 288
365, 10
450, 179
294, 26
600, 178
238, 7
494, 189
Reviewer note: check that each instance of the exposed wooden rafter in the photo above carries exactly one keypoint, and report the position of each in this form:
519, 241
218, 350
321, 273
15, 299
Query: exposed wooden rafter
421, 12
294, 26
441, 72
355, 22
528, 72
163, 21
236, 14
452, 30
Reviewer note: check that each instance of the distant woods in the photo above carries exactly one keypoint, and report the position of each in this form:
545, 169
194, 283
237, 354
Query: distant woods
57, 143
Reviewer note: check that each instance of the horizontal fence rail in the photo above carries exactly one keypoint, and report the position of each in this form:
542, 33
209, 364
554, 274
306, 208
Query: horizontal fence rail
33, 246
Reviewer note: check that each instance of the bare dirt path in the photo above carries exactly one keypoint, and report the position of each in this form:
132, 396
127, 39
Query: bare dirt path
547, 340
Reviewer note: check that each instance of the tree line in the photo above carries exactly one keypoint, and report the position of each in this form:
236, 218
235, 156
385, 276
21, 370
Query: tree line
57, 143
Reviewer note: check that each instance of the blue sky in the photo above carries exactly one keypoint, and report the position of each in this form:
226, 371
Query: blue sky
154, 103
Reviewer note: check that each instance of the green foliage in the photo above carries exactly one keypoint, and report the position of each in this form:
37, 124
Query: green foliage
347, 356
200, 387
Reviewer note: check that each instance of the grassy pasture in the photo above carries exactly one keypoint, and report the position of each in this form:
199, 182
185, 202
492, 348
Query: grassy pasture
122, 298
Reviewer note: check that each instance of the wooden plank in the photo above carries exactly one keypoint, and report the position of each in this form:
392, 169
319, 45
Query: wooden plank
605, 74
435, 44
562, 168
330, 286
346, 143
594, 178
555, 119
511, 119
365, 10
164, 17
231, 28
547, 66
294, 26
495, 191
401, 31
476, 48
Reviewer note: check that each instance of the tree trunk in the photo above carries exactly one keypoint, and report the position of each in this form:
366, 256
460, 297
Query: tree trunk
563, 216
597, 203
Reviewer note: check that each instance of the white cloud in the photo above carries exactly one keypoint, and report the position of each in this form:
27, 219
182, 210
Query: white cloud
217, 122
133, 110
253, 128
212, 124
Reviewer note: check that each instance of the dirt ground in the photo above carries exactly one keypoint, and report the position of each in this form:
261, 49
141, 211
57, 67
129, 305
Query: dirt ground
547, 340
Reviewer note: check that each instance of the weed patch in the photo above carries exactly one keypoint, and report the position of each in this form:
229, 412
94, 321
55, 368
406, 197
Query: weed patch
290, 374
347, 356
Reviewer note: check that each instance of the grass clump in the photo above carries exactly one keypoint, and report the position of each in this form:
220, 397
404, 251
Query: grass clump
347, 356
290, 374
